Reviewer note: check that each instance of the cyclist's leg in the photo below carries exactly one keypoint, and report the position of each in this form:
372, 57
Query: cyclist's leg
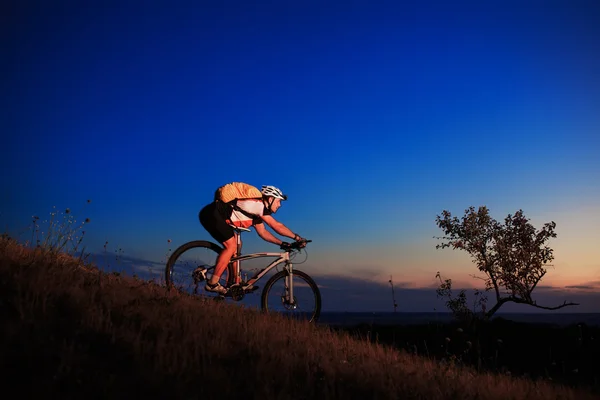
233, 271
214, 223
223, 260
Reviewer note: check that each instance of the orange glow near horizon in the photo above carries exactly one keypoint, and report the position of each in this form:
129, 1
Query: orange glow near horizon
415, 265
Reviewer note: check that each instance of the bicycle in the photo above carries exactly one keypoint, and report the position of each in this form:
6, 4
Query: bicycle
290, 296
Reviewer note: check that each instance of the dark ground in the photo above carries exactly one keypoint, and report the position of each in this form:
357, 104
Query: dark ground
566, 354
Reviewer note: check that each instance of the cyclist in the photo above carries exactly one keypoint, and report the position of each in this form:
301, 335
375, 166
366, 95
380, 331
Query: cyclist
217, 217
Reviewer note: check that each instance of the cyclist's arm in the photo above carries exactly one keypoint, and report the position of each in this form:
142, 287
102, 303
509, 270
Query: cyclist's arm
278, 226
266, 235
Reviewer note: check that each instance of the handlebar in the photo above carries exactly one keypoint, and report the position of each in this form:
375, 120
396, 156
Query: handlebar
295, 245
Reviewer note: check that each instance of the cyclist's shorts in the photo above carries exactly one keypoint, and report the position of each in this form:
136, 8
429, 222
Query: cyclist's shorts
213, 219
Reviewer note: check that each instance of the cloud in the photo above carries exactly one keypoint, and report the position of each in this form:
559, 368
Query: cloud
592, 285
144, 268
547, 287
363, 273
585, 286
581, 287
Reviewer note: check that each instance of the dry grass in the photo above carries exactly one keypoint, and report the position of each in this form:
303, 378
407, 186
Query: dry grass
73, 331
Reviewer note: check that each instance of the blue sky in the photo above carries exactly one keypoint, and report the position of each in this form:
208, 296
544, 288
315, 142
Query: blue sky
373, 118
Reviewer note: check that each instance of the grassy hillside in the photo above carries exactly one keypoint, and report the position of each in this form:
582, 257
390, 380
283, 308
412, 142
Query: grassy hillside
72, 331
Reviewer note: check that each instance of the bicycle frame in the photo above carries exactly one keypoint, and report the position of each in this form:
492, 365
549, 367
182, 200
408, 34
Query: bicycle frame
282, 257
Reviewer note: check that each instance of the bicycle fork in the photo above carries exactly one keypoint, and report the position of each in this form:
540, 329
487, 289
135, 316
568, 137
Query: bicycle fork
288, 297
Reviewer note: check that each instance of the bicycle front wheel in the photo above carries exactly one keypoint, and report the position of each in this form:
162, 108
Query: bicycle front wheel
184, 265
305, 303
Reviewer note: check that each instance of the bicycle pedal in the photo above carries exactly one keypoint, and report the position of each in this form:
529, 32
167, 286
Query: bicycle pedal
251, 289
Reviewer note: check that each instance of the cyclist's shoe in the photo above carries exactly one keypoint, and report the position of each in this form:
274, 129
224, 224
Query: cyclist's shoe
216, 288
199, 274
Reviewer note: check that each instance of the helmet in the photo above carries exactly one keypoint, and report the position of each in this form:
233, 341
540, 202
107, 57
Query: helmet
272, 191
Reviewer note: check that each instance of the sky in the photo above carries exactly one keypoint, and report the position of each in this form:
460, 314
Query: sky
373, 117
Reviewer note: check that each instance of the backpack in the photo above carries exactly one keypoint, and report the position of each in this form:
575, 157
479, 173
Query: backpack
237, 190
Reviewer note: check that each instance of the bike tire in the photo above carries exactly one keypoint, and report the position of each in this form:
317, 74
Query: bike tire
281, 275
179, 254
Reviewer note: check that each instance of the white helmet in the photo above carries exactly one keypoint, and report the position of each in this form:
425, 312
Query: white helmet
272, 191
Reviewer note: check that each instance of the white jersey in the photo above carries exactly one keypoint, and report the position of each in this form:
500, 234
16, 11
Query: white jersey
254, 210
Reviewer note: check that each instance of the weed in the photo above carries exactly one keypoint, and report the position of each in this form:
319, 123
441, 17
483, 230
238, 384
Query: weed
61, 232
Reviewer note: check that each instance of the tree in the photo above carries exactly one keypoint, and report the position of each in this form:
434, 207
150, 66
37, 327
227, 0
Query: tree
458, 304
512, 256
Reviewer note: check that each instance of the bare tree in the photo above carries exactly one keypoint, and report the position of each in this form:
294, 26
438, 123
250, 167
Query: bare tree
393, 294
512, 256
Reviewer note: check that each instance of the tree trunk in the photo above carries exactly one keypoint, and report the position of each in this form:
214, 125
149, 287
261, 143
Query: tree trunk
496, 307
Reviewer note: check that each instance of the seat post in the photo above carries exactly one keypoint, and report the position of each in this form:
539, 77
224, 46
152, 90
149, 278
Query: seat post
238, 252
238, 240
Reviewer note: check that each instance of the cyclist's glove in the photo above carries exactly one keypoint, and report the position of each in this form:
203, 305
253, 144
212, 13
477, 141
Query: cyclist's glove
285, 246
301, 242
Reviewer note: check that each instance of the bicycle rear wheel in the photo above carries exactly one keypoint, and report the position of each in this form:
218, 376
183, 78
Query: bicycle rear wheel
306, 304
185, 260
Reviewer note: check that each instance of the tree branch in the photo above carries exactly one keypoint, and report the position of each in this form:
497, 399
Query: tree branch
533, 304
522, 301
490, 273
538, 278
